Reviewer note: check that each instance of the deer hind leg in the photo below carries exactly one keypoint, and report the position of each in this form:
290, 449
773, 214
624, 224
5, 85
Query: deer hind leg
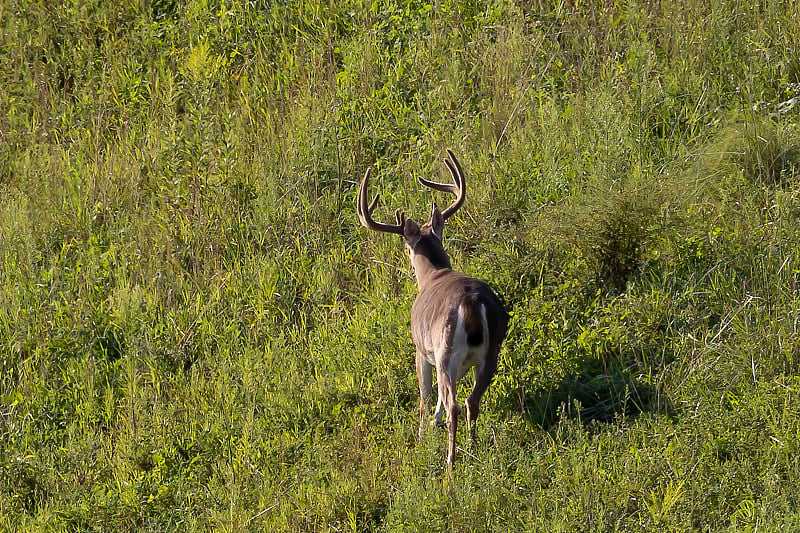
452, 429
447, 380
425, 379
483, 376
438, 415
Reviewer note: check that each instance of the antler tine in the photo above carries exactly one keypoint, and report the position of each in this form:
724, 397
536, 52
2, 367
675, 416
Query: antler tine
364, 210
458, 188
400, 217
461, 184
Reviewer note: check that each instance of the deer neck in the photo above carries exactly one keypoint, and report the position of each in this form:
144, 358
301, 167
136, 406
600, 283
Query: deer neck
429, 265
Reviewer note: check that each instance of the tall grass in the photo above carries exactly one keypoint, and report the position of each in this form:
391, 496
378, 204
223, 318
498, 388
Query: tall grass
196, 334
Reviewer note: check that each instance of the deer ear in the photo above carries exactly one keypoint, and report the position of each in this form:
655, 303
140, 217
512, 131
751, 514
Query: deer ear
411, 232
437, 222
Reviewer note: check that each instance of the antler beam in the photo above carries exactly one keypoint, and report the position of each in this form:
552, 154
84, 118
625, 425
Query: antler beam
365, 210
458, 188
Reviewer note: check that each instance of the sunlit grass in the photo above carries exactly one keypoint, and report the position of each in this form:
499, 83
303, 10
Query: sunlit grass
196, 333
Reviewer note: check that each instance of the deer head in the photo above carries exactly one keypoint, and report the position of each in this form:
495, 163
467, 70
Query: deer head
423, 242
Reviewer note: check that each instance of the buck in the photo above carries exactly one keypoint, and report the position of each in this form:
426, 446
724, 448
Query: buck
457, 322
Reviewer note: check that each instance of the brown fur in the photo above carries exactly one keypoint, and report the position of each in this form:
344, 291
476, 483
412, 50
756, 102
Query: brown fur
434, 315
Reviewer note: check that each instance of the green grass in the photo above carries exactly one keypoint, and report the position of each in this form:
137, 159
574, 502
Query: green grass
197, 334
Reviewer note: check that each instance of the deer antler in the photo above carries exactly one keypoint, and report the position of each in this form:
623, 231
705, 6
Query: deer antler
365, 210
459, 187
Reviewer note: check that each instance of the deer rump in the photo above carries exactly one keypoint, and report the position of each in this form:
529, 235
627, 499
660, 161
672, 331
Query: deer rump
451, 327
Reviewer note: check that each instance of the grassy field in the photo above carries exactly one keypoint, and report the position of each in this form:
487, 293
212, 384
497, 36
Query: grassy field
196, 333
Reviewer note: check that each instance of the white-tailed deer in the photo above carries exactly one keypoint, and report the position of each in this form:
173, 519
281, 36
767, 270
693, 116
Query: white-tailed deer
457, 322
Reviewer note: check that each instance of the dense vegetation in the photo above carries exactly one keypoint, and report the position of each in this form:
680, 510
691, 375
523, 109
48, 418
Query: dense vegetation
196, 334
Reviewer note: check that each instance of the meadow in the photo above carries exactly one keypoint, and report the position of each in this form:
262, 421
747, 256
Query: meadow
196, 334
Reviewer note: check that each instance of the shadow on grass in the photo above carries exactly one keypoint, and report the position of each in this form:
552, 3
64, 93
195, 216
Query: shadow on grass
591, 395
